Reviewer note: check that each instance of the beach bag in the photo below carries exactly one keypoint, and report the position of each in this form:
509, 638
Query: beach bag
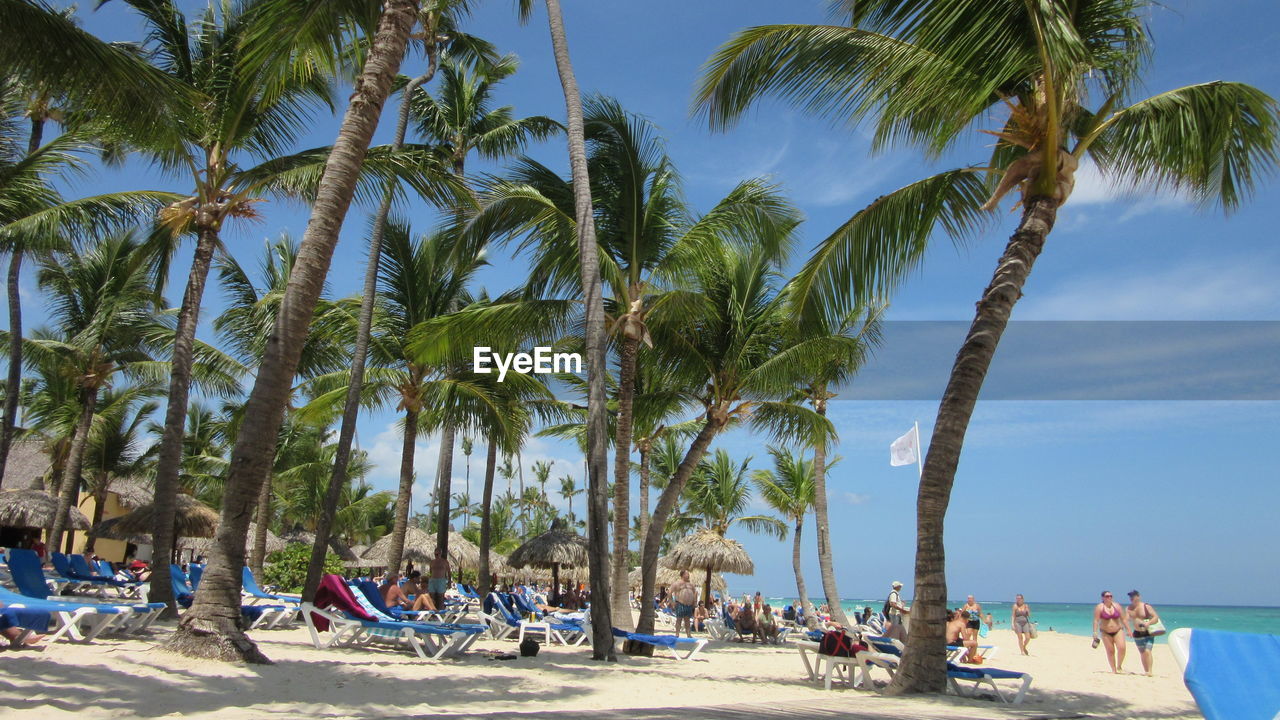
1157, 627
1032, 632
837, 644
529, 648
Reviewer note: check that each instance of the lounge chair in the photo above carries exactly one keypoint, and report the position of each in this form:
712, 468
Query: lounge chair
79, 621
255, 615
366, 591
669, 642
83, 578
257, 595
336, 607
502, 621
1230, 674
980, 676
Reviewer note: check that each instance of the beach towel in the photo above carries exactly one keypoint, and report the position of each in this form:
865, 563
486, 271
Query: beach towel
333, 592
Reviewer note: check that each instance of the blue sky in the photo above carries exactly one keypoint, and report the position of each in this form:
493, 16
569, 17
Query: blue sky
1054, 499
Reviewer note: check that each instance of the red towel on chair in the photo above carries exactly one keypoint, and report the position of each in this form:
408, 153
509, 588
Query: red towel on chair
334, 593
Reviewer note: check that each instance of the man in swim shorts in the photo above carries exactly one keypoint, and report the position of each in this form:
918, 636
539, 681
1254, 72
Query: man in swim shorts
439, 581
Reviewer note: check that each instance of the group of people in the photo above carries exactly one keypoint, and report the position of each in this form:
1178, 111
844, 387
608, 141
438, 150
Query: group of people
415, 594
1136, 620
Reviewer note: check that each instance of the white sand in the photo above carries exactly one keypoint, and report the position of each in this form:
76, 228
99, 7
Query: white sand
132, 678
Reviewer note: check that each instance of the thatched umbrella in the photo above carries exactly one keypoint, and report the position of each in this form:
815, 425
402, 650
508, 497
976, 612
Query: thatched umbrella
707, 550
201, 545
35, 509
420, 546
110, 529
553, 548
133, 492
191, 518
303, 537
27, 465
667, 576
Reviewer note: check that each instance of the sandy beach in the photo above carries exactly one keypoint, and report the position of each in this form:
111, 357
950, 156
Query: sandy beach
126, 678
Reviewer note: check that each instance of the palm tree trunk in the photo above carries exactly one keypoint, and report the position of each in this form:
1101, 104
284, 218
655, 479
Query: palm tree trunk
466, 517
486, 528
666, 504
211, 628
14, 379
524, 517
13, 382
644, 487
444, 485
825, 566
795, 565
75, 463
169, 460
597, 428
404, 498
622, 482
364, 328
923, 666
262, 520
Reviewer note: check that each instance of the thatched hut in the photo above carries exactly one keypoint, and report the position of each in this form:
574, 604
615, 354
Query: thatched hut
555, 549
201, 545
710, 552
420, 547
28, 508
27, 466
304, 537
667, 576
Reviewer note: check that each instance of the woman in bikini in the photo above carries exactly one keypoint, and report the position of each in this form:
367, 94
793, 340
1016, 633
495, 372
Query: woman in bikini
1110, 618
1021, 622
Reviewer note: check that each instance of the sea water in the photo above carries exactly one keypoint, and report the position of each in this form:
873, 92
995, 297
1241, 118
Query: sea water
1077, 618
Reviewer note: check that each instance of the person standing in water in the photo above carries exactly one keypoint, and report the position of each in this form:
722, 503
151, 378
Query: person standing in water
1140, 616
1021, 622
1110, 619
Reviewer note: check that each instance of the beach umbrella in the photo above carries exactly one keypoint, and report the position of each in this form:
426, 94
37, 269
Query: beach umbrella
132, 492
303, 537
30, 508
667, 576
201, 545
554, 548
110, 530
711, 551
420, 546
191, 518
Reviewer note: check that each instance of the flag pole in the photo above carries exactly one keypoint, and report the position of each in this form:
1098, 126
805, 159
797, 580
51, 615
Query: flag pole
919, 452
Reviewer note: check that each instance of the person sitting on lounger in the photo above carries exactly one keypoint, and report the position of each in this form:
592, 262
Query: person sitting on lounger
745, 623
701, 614
957, 624
11, 630
766, 625
392, 594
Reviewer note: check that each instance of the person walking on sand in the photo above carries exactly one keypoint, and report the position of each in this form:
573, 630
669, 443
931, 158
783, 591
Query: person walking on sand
684, 596
896, 611
974, 623
439, 581
1111, 620
1021, 622
1141, 616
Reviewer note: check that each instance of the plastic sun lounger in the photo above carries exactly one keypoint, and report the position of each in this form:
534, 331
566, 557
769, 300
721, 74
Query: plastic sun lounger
503, 621
81, 569
980, 676
78, 622
257, 594
669, 642
257, 615
1231, 675
24, 568
73, 581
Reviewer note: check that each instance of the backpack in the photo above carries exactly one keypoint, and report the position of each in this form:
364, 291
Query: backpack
529, 648
836, 643
888, 604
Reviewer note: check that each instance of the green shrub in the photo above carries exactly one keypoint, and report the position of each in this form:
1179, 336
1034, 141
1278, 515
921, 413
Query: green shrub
287, 569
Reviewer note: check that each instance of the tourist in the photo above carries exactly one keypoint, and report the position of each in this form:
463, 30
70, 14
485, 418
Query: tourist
1141, 616
1109, 618
702, 613
683, 597
974, 610
1020, 621
11, 629
896, 612
439, 581
392, 595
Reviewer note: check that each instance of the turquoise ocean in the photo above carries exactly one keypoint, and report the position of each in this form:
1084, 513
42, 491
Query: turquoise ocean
1077, 618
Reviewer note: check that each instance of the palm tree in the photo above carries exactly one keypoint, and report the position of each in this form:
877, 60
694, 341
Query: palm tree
439, 20
34, 217
791, 489
541, 474
721, 494
724, 334
924, 72
117, 450
568, 490
468, 444
594, 336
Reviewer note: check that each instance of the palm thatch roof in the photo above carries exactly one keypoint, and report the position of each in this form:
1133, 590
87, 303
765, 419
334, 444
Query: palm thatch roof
304, 537
420, 547
552, 548
191, 518
27, 465
667, 576
110, 529
201, 545
28, 508
706, 550
133, 492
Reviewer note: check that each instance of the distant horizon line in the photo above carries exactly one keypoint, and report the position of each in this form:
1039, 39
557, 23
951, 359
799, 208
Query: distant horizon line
1056, 602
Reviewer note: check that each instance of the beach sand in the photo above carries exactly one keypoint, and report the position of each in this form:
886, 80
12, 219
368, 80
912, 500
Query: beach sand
124, 678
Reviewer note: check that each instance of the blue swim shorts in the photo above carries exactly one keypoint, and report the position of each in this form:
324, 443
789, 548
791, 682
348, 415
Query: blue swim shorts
1144, 642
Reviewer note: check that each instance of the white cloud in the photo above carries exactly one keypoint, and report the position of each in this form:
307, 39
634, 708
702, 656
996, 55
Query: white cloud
1093, 188
1218, 290
854, 498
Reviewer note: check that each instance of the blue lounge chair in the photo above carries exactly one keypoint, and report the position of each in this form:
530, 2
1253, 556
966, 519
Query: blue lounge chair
980, 676
669, 642
80, 621
502, 619
257, 594
1230, 674
254, 615
338, 608
81, 570
72, 580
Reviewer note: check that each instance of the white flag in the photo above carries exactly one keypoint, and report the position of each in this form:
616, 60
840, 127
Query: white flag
905, 450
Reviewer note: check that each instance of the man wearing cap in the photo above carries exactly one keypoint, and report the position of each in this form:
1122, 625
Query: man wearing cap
896, 612
1141, 615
